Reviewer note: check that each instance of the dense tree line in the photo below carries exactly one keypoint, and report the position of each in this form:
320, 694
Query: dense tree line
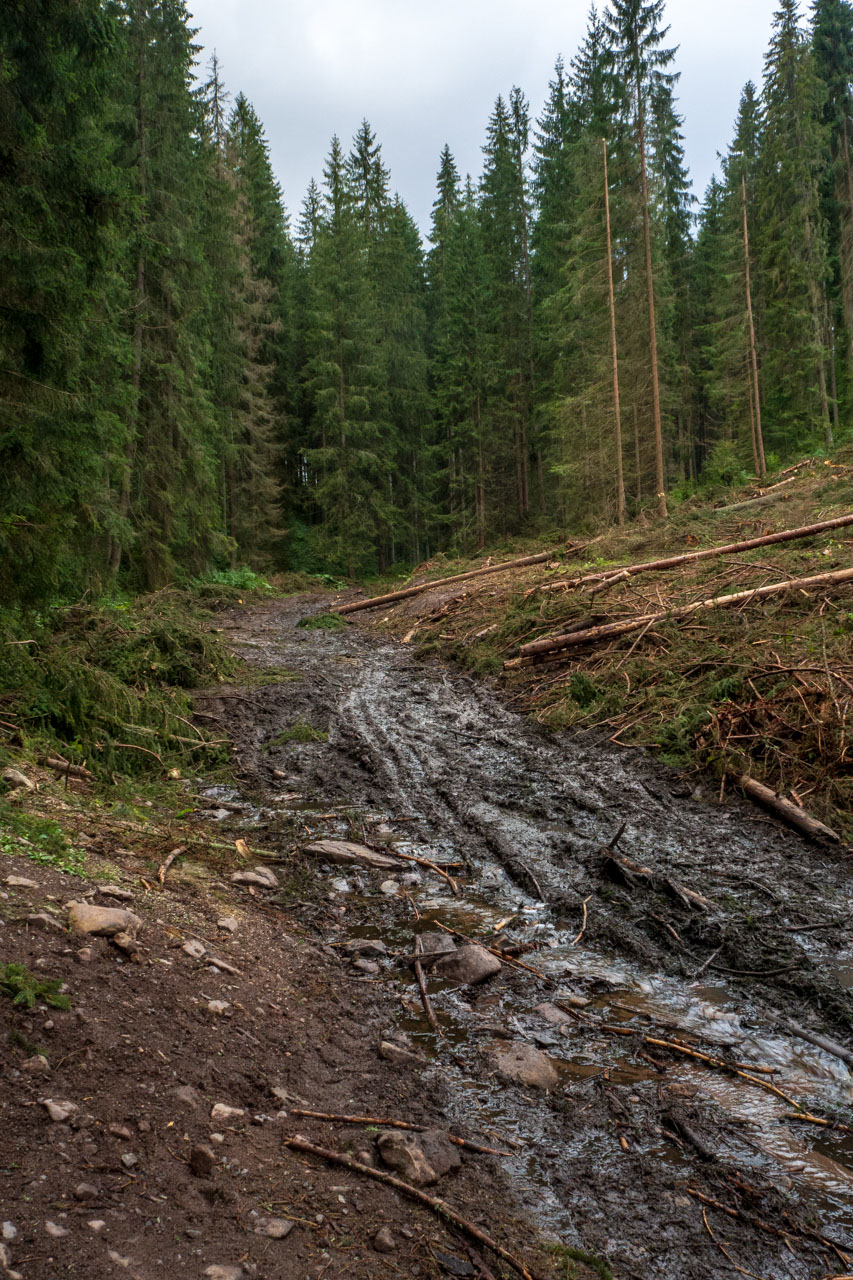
187, 381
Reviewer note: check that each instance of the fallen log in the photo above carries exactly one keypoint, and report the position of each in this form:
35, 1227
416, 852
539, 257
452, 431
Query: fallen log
610, 630
441, 1207
61, 766
392, 597
608, 577
790, 813
831, 1047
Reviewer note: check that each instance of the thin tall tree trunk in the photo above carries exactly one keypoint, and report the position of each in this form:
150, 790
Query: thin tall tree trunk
758, 442
833, 382
660, 479
621, 506
637, 461
753, 436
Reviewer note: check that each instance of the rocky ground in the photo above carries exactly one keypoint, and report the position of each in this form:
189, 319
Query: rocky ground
272, 974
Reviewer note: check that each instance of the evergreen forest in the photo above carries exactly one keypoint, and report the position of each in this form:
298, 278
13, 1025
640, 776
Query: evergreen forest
193, 378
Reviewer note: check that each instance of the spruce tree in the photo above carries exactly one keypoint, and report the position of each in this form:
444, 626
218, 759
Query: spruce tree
62, 349
792, 238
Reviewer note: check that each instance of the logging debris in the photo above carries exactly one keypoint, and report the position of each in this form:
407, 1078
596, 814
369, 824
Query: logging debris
438, 1206
407, 592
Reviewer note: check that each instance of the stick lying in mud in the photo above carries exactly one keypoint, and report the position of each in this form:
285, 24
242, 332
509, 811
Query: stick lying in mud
425, 1000
298, 1143
807, 1118
393, 596
396, 1124
790, 813
501, 955
425, 862
806, 1233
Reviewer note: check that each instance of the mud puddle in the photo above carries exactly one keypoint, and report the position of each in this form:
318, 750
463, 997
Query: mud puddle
618, 1154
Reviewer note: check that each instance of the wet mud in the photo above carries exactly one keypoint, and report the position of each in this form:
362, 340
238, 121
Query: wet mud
666, 930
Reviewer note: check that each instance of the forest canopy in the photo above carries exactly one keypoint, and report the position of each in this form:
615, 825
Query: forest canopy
190, 380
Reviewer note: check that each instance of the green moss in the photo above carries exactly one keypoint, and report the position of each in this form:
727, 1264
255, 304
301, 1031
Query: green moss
42, 840
322, 622
27, 989
299, 731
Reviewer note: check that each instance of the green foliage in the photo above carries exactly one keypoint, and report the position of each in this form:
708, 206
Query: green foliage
27, 989
299, 731
322, 622
42, 840
582, 689
107, 684
570, 1255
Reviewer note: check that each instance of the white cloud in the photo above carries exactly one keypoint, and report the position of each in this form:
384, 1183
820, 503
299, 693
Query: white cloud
426, 74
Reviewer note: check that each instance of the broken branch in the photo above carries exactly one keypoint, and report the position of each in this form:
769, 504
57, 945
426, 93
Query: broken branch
438, 1206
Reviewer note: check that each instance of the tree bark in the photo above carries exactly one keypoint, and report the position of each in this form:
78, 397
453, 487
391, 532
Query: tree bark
611, 630
621, 509
393, 596
789, 812
753, 355
660, 479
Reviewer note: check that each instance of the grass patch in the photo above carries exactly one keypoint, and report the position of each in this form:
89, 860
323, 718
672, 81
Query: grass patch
299, 731
322, 622
42, 840
26, 989
590, 1263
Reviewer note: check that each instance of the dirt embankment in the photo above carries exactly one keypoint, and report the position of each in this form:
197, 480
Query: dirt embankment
607, 1069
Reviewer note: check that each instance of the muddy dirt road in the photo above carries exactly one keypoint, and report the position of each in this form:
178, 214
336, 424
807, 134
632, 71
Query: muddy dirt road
663, 926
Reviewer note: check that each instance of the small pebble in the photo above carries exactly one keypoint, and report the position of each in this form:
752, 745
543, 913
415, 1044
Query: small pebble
120, 1131
202, 1161
128, 1159
54, 1230
8, 1231
383, 1241
97, 1224
86, 1191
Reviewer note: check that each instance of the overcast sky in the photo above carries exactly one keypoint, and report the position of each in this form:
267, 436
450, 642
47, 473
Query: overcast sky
428, 73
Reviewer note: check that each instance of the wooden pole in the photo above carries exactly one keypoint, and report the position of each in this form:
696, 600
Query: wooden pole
407, 592
621, 509
753, 354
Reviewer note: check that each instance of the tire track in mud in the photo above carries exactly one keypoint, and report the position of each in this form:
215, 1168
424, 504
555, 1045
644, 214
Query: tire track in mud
481, 785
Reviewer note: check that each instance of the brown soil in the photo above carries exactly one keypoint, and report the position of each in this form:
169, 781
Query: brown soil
610, 1161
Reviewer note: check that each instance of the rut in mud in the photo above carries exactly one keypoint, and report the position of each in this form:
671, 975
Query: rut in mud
619, 1154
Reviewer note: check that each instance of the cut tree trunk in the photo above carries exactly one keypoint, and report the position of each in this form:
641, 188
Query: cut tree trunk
789, 812
611, 630
609, 577
393, 596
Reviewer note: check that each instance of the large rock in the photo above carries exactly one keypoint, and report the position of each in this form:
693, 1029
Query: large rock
103, 922
522, 1064
263, 877
468, 965
419, 1158
347, 853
